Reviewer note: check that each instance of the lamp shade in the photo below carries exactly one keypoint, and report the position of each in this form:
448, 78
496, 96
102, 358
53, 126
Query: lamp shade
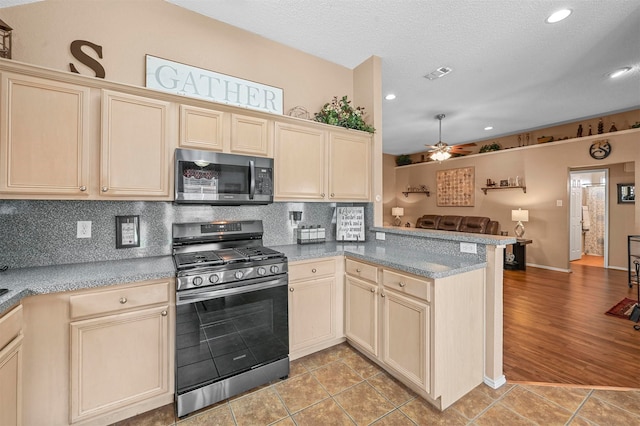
397, 211
520, 215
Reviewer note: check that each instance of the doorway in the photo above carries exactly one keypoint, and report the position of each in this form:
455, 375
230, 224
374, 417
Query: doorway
588, 217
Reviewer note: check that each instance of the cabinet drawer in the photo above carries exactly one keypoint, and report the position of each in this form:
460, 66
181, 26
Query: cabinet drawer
311, 270
407, 284
10, 326
119, 299
362, 270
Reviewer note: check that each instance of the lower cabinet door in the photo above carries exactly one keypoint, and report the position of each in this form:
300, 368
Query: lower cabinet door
117, 360
11, 383
405, 337
312, 312
361, 313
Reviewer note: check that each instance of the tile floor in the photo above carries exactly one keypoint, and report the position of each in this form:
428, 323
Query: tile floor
338, 386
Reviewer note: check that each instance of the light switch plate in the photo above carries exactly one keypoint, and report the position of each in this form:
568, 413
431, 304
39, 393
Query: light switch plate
469, 248
84, 229
558, 203
380, 236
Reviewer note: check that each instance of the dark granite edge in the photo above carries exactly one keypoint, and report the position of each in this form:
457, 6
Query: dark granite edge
447, 235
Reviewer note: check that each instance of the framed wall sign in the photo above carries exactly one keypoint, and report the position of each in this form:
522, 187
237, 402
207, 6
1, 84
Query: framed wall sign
127, 231
350, 224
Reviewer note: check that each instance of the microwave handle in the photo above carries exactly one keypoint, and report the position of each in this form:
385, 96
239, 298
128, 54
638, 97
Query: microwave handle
252, 179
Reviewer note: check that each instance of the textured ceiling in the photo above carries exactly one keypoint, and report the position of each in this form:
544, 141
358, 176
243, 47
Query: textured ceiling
511, 70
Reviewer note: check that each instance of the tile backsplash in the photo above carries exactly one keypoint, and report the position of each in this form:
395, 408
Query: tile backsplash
38, 233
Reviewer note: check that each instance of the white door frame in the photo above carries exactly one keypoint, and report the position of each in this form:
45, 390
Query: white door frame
573, 172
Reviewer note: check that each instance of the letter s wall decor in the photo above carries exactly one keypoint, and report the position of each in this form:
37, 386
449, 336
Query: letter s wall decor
76, 51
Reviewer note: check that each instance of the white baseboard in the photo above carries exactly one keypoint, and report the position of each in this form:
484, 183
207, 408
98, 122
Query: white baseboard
618, 268
495, 384
551, 268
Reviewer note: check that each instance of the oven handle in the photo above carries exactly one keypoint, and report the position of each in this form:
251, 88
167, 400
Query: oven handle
200, 295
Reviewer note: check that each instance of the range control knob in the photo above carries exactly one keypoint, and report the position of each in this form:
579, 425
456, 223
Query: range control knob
261, 271
274, 269
214, 278
197, 281
238, 275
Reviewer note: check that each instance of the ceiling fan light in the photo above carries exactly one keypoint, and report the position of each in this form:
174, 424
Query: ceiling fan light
558, 16
620, 71
390, 97
440, 155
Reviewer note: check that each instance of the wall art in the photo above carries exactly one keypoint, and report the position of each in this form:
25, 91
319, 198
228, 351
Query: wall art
456, 187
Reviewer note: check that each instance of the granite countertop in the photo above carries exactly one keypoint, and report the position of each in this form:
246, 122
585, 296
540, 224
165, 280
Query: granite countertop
25, 282
421, 263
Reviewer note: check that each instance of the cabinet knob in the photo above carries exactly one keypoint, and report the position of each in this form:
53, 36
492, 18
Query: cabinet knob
358, 270
373, 290
383, 295
123, 300
332, 195
291, 289
105, 189
83, 188
163, 313
313, 270
402, 284
322, 195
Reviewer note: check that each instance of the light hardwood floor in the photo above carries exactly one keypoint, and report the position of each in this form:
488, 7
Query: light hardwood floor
556, 330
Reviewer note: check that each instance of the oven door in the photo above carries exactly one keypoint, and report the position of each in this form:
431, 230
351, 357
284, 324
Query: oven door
229, 332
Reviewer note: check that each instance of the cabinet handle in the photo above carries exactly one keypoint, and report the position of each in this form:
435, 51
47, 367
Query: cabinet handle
123, 300
373, 290
291, 289
83, 188
402, 284
313, 270
163, 313
105, 189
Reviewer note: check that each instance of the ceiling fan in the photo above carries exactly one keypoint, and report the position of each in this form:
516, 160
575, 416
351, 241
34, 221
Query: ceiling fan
441, 151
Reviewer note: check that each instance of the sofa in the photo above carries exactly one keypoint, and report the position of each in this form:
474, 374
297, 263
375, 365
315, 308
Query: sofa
474, 224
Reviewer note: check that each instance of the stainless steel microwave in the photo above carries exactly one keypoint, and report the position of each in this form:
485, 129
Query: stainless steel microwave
205, 177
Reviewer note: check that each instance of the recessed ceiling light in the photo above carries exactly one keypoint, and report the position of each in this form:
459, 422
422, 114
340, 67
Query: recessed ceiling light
558, 16
390, 97
489, 128
619, 72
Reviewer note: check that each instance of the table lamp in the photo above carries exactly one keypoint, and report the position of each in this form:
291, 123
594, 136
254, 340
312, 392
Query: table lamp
520, 216
397, 212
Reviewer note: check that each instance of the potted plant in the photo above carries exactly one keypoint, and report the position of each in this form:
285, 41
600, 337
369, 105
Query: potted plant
491, 147
403, 160
339, 112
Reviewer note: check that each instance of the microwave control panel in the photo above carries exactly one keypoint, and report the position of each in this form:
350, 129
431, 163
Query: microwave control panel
264, 181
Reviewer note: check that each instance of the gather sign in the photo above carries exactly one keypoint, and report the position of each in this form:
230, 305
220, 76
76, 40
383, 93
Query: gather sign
186, 80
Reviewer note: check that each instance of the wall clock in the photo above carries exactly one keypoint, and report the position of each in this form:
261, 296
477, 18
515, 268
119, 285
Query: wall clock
600, 149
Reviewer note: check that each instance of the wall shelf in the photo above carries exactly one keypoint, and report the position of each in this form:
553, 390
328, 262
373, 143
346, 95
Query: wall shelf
406, 193
485, 189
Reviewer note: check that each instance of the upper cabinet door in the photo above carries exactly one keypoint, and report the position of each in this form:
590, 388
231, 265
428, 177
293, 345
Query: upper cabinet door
349, 167
136, 147
299, 162
201, 128
44, 137
251, 136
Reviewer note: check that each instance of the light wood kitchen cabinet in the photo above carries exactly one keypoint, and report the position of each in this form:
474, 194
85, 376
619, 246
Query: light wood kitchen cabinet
44, 137
315, 306
251, 136
429, 332
349, 173
11, 367
314, 164
362, 305
136, 147
120, 356
201, 128
98, 356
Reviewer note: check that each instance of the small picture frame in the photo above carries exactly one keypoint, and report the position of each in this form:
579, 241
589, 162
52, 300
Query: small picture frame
626, 193
504, 182
127, 231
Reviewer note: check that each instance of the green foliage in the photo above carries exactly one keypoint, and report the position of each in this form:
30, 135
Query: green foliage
341, 113
403, 160
491, 147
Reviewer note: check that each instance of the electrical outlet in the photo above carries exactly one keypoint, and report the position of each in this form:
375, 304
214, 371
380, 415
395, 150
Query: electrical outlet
380, 236
558, 203
84, 229
469, 248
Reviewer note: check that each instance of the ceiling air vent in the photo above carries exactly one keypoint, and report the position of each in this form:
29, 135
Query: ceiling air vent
440, 72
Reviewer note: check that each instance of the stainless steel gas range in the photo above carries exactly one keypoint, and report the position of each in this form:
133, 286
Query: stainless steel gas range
232, 314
